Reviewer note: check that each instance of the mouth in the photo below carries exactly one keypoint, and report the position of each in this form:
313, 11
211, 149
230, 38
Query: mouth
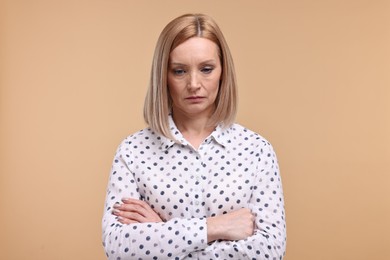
194, 99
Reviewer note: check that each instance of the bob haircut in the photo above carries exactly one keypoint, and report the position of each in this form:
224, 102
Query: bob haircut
158, 103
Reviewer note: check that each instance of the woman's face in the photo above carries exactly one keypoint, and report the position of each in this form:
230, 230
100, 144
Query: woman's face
194, 73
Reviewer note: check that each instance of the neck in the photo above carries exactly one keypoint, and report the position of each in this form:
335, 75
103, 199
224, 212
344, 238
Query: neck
194, 129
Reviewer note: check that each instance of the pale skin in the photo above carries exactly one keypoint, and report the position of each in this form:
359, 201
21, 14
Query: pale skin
193, 78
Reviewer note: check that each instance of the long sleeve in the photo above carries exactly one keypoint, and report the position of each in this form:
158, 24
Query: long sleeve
267, 203
173, 239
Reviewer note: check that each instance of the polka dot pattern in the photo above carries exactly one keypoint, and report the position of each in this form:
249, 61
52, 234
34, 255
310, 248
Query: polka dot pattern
233, 168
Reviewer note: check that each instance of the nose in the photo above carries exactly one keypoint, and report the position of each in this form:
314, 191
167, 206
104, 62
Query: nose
193, 81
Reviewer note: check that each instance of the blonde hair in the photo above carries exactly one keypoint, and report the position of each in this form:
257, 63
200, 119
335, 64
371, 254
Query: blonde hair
158, 103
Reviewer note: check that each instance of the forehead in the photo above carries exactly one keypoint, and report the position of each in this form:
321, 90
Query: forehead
195, 47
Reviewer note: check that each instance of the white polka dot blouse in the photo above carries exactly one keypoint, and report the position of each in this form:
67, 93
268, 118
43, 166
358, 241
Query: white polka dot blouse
233, 168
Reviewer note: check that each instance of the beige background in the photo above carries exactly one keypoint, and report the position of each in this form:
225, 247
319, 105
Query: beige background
314, 79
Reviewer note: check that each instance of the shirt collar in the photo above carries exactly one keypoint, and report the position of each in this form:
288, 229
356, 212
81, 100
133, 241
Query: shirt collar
220, 135
166, 143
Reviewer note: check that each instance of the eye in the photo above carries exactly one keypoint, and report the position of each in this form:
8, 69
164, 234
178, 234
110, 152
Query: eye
207, 70
178, 72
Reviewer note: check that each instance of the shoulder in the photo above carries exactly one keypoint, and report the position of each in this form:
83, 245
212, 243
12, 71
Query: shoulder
239, 137
141, 138
249, 141
243, 134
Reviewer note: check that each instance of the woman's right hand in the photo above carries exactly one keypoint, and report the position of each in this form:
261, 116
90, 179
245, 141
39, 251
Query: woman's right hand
235, 225
135, 211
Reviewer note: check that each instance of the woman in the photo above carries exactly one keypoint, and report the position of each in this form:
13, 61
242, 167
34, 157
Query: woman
194, 185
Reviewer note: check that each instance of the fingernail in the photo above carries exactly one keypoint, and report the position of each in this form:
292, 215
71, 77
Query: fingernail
115, 212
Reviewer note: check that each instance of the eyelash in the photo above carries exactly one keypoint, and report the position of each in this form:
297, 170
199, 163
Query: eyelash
205, 70
178, 72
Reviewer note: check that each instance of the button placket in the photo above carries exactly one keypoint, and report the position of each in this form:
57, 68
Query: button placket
198, 197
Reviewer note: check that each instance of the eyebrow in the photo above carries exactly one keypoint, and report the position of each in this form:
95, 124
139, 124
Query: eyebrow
203, 62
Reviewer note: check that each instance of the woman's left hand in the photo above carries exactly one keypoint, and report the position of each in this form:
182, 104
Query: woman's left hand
135, 211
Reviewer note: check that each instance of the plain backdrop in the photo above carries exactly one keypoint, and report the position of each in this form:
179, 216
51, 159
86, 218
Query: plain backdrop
314, 79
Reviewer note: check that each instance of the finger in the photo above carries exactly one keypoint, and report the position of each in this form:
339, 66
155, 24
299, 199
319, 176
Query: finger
131, 206
140, 203
144, 215
131, 215
135, 208
133, 201
136, 213
126, 221
142, 208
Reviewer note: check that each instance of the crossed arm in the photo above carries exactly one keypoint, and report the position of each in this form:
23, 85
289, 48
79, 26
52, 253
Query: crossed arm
236, 225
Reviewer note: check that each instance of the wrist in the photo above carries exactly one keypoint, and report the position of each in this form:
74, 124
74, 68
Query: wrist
213, 229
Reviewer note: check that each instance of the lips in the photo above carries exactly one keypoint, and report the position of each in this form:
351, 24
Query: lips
194, 99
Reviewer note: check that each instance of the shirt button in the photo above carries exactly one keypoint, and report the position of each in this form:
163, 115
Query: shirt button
197, 203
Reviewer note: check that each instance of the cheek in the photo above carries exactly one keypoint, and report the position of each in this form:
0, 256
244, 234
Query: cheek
173, 89
170, 84
215, 85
